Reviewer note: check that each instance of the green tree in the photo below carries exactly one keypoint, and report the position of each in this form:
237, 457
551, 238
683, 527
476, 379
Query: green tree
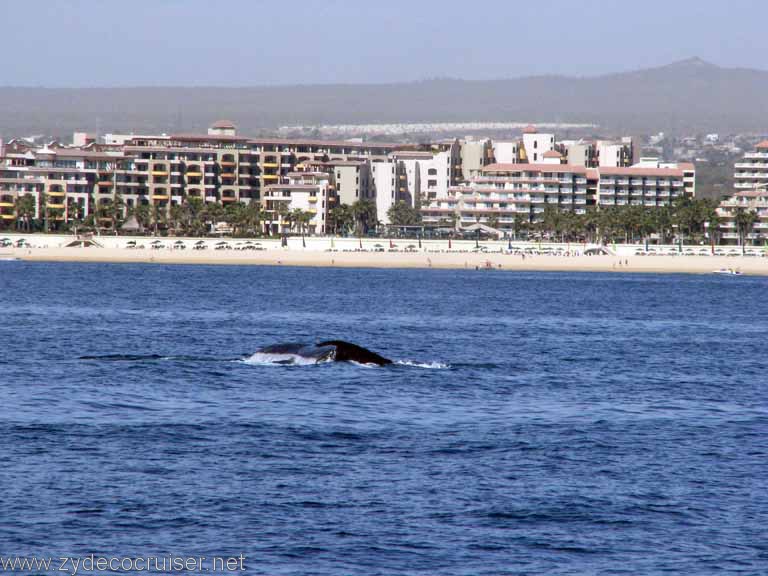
521, 223
403, 214
143, 214
364, 212
745, 221
341, 219
25, 210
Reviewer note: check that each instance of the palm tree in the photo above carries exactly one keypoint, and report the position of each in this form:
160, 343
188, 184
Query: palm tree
212, 213
234, 215
75, 215
520, 223
712, 218
178, 218
364, 212
158, 216
25, 210
745, 220
284, 217
403, 214
143, 215
253, 215
113, 210
342, 218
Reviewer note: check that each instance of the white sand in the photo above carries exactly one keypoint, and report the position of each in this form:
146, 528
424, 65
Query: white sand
277, 256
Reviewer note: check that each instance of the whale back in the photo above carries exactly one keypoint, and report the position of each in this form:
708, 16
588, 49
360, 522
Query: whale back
348, 352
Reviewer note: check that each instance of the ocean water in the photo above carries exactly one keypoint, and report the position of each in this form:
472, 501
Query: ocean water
535, 423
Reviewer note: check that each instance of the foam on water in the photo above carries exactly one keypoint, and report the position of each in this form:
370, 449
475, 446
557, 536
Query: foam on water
429, 365
266, 359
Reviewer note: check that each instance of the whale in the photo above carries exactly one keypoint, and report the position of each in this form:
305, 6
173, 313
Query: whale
325, 351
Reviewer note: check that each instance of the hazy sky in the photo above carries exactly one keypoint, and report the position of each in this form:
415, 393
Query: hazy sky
252, 42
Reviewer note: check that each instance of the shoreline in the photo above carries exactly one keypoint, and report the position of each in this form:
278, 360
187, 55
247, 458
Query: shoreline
388, 260
384, 253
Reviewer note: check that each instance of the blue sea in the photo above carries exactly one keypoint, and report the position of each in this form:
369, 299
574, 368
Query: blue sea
533, 423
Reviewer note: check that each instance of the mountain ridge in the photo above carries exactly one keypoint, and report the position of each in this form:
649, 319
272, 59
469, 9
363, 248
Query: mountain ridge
687, 96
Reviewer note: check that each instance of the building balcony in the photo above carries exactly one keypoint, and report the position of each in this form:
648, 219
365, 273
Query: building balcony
228, 199
55, 205
159, 172
56, 193
270, 164
194, 174
160, 197
312, 199
227, 163
6, 204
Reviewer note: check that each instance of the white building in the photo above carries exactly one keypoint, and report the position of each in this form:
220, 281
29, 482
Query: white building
506, 152
752, 170
536, 144
385, 177
310, 192
425, 175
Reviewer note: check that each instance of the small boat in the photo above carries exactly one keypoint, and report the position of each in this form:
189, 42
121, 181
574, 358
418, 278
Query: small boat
727, 272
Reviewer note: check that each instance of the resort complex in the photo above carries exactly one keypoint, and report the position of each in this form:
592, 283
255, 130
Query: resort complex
135, 182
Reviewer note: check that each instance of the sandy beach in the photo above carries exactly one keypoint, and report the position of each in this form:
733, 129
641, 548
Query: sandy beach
377, 254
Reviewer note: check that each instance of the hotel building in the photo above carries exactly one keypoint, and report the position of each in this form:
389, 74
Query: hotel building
752, 171
310, 191
750, 195
163, 170
505, 191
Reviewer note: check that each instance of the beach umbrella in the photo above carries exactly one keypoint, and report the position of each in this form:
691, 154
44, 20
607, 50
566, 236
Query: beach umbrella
449, 243
390, 243
360, 240
419, 240
199, 242
509, 243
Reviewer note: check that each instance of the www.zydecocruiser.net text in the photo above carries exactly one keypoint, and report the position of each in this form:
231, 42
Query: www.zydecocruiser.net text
127, 564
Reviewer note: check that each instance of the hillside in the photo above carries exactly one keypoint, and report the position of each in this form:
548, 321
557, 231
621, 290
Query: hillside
681, 98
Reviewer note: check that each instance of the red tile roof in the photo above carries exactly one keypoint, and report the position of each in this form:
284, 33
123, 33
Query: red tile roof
633, 171
223, 124
762, 145
535, 168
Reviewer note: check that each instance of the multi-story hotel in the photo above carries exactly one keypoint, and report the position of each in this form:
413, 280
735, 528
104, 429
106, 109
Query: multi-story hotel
752, 171
748, 201
750, 195
160, 170
460, 181
504, 191
309, 191
649, 183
